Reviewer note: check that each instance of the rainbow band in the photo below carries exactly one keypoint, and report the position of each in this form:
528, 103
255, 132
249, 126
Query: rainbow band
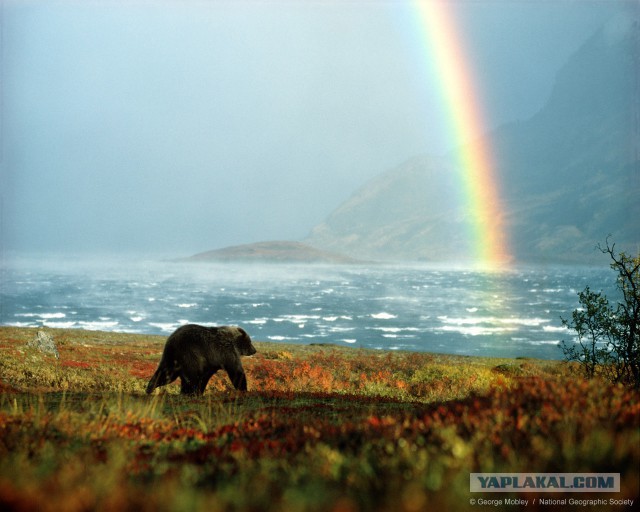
445, 47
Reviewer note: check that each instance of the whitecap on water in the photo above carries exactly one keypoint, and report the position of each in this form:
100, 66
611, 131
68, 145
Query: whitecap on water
553, 328
44, 316
166, 327
396, 329
388, 329
98, 325
474, 330
493, 320
383, 316
58, 325
20, 324
296, 319
341, 329
257, 321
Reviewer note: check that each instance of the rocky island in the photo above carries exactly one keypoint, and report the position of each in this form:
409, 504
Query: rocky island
273, 252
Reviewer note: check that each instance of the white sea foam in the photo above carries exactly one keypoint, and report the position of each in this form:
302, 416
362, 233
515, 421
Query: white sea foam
187, 305
98, 325
166, 327
48, 316
532, 322
257, 321
553, 328
475, 330
341, 329
396, 329
383, 316
44, 316
296, 319
59, 325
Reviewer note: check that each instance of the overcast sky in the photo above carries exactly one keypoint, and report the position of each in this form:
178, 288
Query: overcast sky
178, 127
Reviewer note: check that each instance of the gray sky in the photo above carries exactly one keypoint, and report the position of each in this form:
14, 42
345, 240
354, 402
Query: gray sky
177, 127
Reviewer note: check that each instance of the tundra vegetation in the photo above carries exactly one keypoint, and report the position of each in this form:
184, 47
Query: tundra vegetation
321, 428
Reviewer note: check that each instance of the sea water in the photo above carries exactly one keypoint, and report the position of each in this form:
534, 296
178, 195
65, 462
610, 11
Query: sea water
390, 307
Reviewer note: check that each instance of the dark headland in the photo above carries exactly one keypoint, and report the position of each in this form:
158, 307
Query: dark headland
273, 252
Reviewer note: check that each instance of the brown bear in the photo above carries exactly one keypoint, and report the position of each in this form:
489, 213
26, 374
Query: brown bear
194, 353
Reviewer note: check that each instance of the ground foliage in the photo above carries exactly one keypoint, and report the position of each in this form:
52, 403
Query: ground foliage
322, 428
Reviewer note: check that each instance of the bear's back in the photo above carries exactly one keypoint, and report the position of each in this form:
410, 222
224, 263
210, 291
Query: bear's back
193, 337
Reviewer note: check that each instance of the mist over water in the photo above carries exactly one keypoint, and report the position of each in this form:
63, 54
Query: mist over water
189, 126
419, 308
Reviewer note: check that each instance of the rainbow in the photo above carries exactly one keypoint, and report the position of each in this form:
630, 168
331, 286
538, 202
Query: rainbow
445, 48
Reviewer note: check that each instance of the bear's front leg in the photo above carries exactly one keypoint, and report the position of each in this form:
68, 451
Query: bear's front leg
238, 378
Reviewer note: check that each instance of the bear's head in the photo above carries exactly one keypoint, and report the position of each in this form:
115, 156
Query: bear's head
242, 341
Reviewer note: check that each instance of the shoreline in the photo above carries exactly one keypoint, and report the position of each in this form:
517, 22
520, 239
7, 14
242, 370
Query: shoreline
87, 337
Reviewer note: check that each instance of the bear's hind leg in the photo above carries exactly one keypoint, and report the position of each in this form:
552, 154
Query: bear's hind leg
202, 384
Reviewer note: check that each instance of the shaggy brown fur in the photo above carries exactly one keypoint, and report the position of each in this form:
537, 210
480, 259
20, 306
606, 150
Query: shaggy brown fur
194, 353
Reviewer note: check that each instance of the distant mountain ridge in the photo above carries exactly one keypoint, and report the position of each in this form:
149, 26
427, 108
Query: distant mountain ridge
570, 175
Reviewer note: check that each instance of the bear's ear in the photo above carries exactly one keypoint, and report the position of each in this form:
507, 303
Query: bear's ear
242, 331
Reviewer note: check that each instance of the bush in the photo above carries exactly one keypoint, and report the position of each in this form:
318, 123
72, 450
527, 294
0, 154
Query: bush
608, 341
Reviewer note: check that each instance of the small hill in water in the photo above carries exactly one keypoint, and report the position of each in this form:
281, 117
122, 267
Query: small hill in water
272, 252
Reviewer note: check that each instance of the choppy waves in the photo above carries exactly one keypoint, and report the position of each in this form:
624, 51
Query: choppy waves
413, 308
